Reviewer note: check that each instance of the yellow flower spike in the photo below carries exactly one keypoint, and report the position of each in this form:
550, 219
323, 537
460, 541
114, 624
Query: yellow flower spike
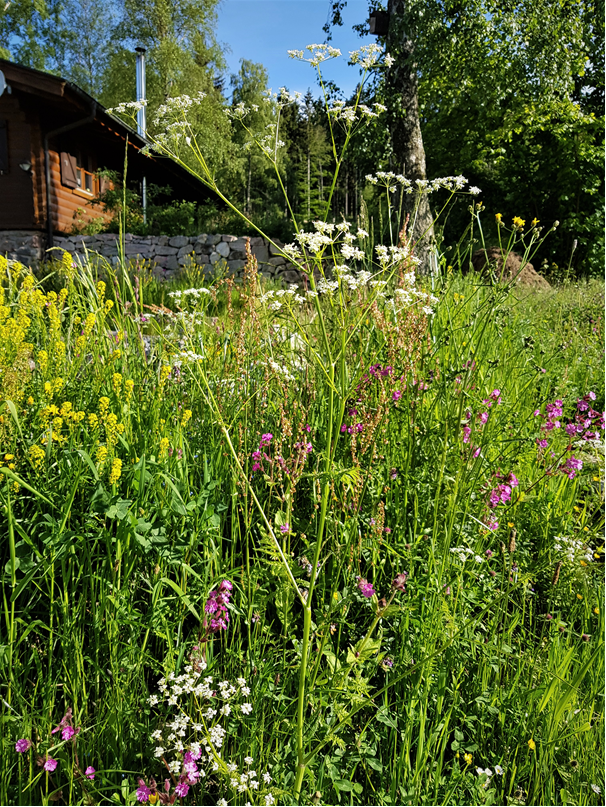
101, 455
48, 389
129, 385
117, 382
93, 421
101, 289
164, 444
103, 405
116, 470
109, 304
186, 417
468, 758
30, 401
531, 744
36, 455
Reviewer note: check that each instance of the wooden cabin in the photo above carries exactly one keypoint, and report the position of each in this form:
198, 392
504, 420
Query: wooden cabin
50, 127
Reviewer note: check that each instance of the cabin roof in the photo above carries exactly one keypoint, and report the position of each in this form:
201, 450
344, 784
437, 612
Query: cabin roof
70, 102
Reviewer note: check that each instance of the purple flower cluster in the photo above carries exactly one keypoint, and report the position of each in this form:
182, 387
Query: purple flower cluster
216, 607
21, 746
65, 726
365, 587
301, 451
500, 494
189, 777
586, 425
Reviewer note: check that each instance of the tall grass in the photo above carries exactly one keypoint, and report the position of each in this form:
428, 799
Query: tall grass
104, 582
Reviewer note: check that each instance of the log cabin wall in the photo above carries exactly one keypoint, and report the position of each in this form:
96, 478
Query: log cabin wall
16, 185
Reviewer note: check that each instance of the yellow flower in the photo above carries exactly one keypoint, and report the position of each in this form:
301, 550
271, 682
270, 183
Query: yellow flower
36, 455
468, 758
101, 289
30, 401
117, 382
93, 421
48, 388
186, 417
103, 405
498, 217
531, 744
101, 454
109, 304
128, 388
164, 445
579, 596
510, 524
596, 610
9, 457
116, 471
534, 222
518, 223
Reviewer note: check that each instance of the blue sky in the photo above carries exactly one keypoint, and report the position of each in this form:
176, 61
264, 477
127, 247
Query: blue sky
263, 30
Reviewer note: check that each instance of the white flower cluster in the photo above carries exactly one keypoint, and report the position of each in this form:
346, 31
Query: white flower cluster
391, 256
185, 293
573, 548
366, 56
196, 738
350, 114
404, 298
177, 107
391, 181
325, 235
127, 107
274, 299
280, 370
317, 54
463, 553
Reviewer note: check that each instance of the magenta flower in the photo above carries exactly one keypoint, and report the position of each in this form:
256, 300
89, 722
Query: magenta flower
182, 789
50, 764
542, 443
483, 417
466, 434
489, 553
284, 528
495, 395
143, 792
67, 733
90, 772
397, 395
365, 587
266, 439
21, 746
399, 581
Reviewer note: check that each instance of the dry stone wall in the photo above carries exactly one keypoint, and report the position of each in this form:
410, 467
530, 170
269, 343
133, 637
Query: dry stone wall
167, 256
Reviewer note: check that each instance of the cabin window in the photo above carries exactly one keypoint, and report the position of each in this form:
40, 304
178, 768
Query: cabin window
86, 177
3, 146
77, 173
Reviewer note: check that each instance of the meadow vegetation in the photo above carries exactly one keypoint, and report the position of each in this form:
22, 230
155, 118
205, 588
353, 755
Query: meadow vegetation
337, 543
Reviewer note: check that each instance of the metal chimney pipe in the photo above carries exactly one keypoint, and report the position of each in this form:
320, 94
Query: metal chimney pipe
141, 120
141, 123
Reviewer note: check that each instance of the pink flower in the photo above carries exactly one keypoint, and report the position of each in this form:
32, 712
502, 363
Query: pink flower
143, 792
483, 417
67, 733
397, 395
542, 443
21, 746
489, 553
343, 429
266, 439
50, 764
571, 429
90, 772
466, 434
284, 528
182, 789
495, 395
365, 587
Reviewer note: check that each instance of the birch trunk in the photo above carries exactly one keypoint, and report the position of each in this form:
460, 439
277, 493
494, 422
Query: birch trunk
405, 130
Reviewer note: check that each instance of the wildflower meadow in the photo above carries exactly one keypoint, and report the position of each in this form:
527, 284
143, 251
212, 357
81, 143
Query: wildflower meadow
339, 542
